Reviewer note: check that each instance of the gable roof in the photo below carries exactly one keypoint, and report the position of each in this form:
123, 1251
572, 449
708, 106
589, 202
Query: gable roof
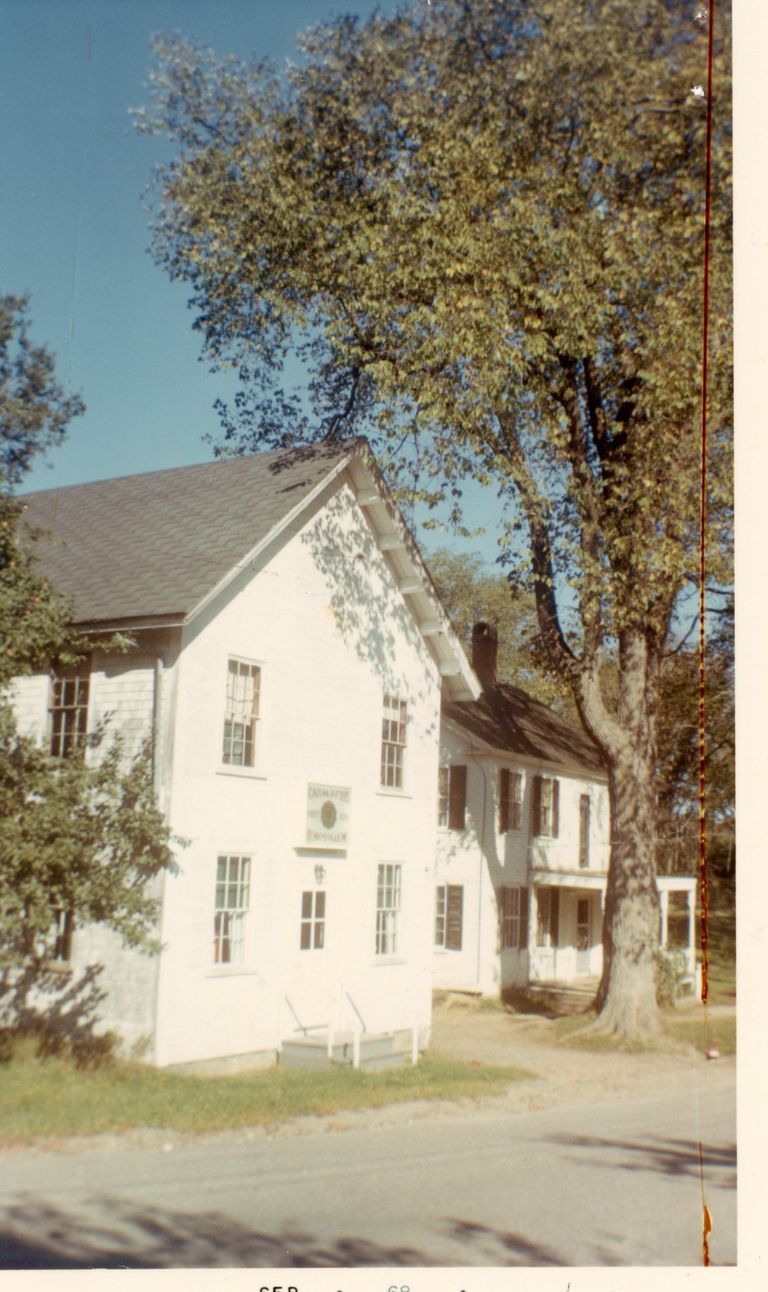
511, 722
157, 547
154, 545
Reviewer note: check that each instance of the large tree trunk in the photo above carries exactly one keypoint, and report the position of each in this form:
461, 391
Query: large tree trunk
626, 1000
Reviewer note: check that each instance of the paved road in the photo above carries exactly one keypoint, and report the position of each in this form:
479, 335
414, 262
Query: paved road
613, 1185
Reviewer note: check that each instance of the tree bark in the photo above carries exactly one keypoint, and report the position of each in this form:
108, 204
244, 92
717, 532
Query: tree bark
626, 1000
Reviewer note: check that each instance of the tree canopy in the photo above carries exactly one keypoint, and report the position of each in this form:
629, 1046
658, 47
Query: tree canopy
472, 592
79, 836
35, 411
480, 224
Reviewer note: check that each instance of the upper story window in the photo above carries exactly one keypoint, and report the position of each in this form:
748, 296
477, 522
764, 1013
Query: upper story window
393, 731
584, 810
546, 807
241, 713
388, 890
233, 890
69, 709
510, 800
452, 797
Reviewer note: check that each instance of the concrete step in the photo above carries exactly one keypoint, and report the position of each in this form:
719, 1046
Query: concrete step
377, 1051
564, 997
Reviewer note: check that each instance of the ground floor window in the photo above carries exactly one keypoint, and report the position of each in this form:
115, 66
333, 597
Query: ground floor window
583, 924
233, 885
449, 916
312, 920
548, 917
513, 917
388, 890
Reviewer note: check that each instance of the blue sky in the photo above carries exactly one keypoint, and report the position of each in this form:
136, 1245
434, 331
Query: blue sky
75, 233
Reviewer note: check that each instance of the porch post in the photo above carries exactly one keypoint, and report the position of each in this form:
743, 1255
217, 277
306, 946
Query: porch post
691, 895
664, 904
533, 919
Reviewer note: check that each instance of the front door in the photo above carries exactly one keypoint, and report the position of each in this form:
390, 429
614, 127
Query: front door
583, 935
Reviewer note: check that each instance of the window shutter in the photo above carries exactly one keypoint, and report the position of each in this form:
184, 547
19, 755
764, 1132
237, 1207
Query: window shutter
504, 800
536, 807
522, 937
584, 830
554, 914
555, 808
454, 917
499, 916
458, 797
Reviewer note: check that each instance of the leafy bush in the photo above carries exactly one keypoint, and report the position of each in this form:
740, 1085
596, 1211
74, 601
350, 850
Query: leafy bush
671, 969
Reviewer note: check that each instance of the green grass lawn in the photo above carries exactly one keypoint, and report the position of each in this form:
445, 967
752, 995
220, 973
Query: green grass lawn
721, 953
703, 1031
52, 1097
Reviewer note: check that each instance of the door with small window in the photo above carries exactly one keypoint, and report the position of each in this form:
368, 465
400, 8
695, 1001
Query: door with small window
583, 934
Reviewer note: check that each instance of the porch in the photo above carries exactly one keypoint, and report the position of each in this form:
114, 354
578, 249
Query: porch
565, 922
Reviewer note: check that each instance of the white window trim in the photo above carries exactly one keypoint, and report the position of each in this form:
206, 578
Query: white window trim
313, 921
250, 771
383, 788
395, 955
242, 914
83, 671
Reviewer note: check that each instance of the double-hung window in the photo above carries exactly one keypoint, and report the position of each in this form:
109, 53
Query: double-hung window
513, 917
449, 916
241, 713
233, 885
393, 733
68, 710
388, 890
312, 920
546, 807
510, 800
452, 797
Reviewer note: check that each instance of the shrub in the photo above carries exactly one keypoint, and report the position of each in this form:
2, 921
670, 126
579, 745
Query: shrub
671, 969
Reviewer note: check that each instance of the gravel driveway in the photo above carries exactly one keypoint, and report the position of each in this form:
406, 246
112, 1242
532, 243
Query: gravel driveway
462, 1029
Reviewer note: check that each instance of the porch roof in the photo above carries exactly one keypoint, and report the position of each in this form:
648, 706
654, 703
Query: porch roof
676, 883
569, 879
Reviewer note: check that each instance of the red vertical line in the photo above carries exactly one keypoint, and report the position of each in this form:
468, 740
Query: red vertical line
703, 528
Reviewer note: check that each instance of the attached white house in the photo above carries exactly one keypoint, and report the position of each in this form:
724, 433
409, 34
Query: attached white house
290, 656
523, 844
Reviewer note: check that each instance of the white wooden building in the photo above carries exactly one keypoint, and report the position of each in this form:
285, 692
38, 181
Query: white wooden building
523, 844
290, 656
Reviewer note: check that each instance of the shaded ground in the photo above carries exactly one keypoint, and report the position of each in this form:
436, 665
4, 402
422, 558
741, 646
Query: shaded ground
463, 1028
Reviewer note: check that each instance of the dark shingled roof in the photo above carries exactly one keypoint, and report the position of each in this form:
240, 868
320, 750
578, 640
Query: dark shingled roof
155, 544
509, 720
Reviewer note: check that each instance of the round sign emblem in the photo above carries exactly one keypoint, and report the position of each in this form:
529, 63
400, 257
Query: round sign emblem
328, 814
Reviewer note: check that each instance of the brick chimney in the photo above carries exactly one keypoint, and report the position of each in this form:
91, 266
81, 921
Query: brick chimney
485, 641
